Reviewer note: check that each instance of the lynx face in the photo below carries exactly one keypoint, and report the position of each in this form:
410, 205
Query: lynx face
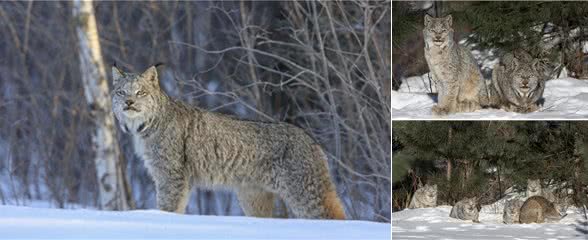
526, 80
438, 31
430, 193
470, 208
135, 98
534, 187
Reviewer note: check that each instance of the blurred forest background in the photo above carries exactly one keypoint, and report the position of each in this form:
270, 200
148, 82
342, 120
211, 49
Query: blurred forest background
485, 158
556, 32
321, 65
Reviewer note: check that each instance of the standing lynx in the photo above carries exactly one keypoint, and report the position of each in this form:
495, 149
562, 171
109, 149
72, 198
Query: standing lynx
183, 145
459, 81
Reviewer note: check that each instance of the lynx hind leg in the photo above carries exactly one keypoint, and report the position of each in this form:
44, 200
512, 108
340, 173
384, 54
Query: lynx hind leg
256, 202
310, 202
313, 195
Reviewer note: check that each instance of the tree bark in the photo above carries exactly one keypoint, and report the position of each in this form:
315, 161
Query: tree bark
113, 189
449, 165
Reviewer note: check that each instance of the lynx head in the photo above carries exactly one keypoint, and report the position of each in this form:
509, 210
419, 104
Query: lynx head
429, 193
471, 206
534, 187
136, 98
527, 74
438, 31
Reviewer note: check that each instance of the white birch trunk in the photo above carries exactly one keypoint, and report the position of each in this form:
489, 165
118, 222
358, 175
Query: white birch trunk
111, 178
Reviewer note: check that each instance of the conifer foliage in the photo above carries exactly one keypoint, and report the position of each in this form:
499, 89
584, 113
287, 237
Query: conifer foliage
484, 159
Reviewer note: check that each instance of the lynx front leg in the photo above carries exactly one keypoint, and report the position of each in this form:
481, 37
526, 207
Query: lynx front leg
256, 202
447, 99
173, 194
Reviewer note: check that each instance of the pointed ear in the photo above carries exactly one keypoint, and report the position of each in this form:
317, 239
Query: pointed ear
116, 74
449, 20
427, 19
151, 75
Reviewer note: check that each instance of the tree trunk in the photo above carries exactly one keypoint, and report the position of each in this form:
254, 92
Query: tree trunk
449, 169
449, 166
114, 194
499, 183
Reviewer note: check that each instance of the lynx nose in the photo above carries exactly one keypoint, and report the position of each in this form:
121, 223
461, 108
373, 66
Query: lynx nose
525, 82
129, 102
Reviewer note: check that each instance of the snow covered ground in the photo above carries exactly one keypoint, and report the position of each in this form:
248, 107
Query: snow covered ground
565, 98
435, 223
42, 223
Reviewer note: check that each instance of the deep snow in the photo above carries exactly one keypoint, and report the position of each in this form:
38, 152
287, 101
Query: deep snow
565, 98
18, 222
435, 223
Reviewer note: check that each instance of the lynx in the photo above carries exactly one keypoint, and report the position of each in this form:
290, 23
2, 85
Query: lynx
184, 146
424, 197
466, 209
512, 210
461, 87
518, 82
538, 209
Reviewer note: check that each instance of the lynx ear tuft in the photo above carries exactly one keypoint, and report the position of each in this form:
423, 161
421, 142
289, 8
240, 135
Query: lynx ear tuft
427, 19
151, 75
116, 74
449, 20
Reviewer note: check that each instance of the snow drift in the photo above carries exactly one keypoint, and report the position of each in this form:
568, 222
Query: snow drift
39, 223
564, 98
435, 223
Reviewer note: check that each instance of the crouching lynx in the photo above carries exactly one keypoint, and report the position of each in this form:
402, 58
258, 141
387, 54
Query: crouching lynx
184, 145
518, 82
458, 78
424, 197
466, 209
512, 210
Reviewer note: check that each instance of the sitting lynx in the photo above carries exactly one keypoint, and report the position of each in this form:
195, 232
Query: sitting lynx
453, 68
424, 197
512, 210
518, 82
466, 209
537, 209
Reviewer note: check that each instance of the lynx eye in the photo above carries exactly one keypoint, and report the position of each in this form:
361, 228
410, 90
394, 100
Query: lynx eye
120, 92
141, 93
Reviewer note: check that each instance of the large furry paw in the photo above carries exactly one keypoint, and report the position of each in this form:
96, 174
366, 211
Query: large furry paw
439, 111
469, 106
530, 108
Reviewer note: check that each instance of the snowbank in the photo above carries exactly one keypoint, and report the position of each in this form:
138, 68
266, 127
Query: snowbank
435, 223
565, 98
39, 223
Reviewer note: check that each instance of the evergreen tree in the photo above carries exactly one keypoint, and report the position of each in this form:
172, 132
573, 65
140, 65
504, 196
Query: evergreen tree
485, 158
508, 25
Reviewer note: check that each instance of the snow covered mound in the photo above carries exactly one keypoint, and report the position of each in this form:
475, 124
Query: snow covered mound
435, 223
40, 223
565, 98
